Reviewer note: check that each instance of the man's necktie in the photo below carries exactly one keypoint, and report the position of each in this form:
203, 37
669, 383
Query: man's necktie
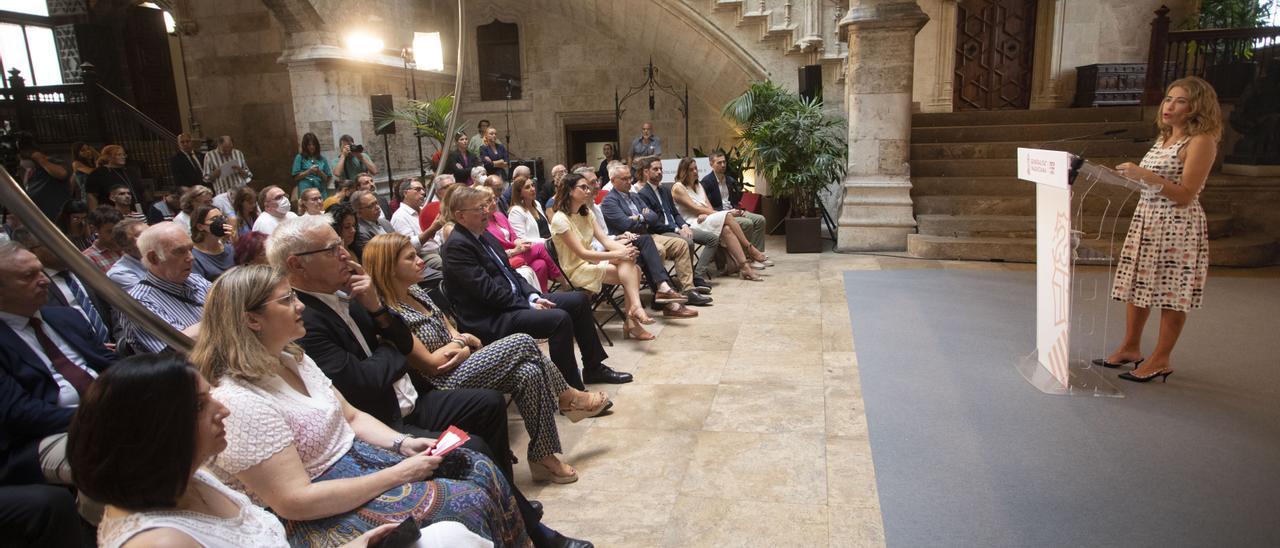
75, 376
506, 272
86, 304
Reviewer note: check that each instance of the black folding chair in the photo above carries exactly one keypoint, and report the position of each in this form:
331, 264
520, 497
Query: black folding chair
608, 293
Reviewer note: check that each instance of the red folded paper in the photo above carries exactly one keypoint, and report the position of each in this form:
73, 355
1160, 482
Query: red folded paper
451, 439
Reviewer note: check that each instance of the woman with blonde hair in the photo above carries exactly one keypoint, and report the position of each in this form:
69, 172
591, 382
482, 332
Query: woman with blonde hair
294, 444
1165, 258
692, 203
109, 172
512, 365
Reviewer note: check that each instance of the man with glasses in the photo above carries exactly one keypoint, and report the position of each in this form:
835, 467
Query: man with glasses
407, 220
368, 221
649, 188
492, 301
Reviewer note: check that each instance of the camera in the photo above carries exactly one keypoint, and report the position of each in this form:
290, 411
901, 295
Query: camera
357, 149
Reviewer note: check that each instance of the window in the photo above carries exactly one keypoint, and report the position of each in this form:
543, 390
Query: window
29, 7
25, 47
498, 52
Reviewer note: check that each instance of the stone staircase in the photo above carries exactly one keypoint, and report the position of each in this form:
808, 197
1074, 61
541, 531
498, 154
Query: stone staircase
801, 31
970, 206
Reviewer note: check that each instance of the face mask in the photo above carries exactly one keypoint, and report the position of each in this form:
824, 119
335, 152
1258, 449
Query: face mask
216, 226
282, 204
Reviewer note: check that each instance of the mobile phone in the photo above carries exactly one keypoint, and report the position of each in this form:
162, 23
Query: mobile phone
404, 535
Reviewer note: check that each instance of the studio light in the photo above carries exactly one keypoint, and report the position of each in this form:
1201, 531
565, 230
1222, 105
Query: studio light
362, 44
427, 51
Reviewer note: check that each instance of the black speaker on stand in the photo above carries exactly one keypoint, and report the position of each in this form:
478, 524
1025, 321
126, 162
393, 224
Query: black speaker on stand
380, 106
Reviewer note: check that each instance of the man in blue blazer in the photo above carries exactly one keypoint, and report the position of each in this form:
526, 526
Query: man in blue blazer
649, 188
48, 359
724, 192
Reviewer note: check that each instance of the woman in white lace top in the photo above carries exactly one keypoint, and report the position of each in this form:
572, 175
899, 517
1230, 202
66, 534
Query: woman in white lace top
692, 203
146, 465
295, 445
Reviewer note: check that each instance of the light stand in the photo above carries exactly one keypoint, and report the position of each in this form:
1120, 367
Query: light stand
651, 83
409, 65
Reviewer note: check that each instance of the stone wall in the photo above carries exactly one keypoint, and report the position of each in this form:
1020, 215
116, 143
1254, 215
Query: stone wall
237, 86
1068, 34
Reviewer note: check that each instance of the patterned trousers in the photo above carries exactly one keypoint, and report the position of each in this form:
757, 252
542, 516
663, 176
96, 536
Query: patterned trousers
514, 365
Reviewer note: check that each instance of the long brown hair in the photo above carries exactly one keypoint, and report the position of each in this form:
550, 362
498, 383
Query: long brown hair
1205, 116
564, 189
517, 195
687, 166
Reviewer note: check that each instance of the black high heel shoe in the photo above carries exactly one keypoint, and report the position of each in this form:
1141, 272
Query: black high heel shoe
1163, 374
1104, 363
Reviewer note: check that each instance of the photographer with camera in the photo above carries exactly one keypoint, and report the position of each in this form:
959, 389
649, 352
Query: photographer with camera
352, 161
47, 180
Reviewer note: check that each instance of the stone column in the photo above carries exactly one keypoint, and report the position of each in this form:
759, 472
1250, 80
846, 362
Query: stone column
876, 212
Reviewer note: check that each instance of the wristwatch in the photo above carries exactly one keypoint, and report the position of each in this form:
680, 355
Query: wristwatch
395, 445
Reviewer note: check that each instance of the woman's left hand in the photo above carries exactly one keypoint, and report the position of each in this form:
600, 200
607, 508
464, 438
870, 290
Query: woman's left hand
413, 446
1132, 171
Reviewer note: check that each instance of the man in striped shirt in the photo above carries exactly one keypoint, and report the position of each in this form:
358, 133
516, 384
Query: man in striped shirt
169, 290
224, 168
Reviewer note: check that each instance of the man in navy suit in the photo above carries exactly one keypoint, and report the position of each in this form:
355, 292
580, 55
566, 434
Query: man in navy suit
68, 290
649, 188
48, 359
724, 192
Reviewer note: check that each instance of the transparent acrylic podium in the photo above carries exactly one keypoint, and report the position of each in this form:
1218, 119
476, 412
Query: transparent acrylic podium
1060, 365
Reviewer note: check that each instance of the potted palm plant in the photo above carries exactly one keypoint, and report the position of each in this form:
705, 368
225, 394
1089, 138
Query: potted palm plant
795, 146
429, 119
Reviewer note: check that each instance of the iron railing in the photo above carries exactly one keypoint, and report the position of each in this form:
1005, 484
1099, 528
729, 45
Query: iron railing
1229, 59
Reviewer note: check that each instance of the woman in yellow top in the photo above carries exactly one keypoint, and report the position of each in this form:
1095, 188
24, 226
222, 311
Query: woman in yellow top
573, 226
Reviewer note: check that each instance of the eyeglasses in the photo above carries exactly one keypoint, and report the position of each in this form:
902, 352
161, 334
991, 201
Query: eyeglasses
335, 249
416, 189
369, 206
584, 187
288, 299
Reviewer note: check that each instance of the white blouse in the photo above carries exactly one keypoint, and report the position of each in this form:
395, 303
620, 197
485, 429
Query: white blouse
524, 223
253, 526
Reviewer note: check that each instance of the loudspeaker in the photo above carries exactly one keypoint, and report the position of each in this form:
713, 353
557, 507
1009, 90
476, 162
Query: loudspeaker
379, 106
810, 77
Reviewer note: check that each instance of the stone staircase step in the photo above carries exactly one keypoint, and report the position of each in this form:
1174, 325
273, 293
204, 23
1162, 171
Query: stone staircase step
1032, 135
990, 186
952, 204
999, 167
1024, 226
1244, 250
1009, 149
1046, 116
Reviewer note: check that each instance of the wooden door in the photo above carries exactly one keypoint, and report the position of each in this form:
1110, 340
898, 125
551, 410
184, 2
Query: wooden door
995, 40
150, 71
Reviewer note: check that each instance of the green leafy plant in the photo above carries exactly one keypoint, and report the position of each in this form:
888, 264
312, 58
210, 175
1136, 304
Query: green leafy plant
429, 118
791, 142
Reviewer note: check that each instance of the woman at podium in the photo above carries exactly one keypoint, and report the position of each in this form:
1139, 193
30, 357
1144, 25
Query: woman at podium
1165, 258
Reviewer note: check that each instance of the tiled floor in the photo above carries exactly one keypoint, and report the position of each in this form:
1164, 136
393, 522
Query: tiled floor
744, 426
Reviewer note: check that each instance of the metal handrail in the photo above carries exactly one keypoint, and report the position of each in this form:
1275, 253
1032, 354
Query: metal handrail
18, 203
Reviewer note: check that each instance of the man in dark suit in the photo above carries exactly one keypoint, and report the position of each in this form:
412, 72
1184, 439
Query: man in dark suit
187, 165
658, 199
361, 345
48, 359
68, 290
492, 301
624, 212
724, 192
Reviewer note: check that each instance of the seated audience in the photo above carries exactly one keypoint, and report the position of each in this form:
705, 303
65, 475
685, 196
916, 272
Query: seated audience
430, 221
310, 202
520, 252
526, 215
648, 185
723, 194
194, 198
492, 301
294, 443
245, 209
344, 189
365, 182
361, 346
110, 171
407, 221
368, 221
122, 200
67, 289
512, 365
310, 168
104, 252
170, 289
72, 223
573, 227
211, 234
251, 249
691, 201
273, 202
547, 191
168, 206
48, 360
624, 213
129, 270
343, 219
477, 176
